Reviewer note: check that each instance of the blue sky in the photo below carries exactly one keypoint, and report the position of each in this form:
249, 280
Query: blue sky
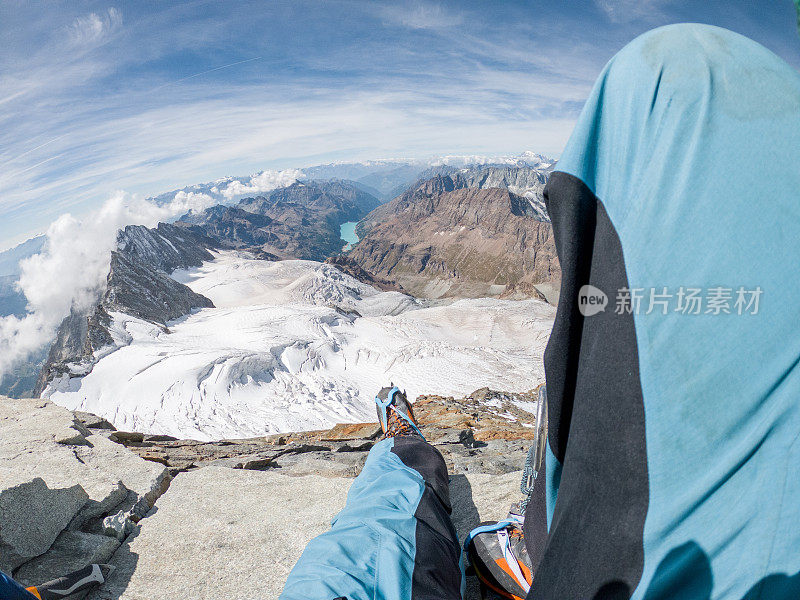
151, 96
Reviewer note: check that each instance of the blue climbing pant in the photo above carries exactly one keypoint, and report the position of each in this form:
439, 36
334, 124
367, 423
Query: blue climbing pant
393, 540
673, 469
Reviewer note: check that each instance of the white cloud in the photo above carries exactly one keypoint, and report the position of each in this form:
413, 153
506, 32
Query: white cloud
623, 11
94, 28
421, 15
184, 202
266, 181
71, 269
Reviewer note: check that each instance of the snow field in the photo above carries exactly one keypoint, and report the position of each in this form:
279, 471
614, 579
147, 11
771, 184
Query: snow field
298, 345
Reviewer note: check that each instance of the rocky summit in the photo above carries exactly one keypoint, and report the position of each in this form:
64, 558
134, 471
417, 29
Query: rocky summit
220, 519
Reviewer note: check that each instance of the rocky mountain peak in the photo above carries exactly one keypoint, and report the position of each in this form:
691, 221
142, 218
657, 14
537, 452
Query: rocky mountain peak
137, 289
137, 284
166, 247
449, 236
343, 198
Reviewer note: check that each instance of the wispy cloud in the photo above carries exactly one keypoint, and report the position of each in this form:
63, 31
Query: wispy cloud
623, 11
421, 15
93, 28
74, 150
189, 92
206, 72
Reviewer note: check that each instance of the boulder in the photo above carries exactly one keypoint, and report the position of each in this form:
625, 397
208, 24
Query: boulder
31, 517
118, 525
57, 475
93, 421
323, 464
40, 439
144, 480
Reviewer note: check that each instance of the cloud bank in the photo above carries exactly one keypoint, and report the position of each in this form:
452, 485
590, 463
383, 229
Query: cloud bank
261, 182
72, 268
70, 272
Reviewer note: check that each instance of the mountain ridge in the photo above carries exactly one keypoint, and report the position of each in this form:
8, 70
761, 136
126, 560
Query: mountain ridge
297, 221
137, 284
449, 236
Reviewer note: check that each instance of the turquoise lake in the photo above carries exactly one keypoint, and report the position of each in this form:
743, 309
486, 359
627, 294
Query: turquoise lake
347, 231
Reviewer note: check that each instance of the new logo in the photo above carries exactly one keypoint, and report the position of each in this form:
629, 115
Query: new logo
591, 300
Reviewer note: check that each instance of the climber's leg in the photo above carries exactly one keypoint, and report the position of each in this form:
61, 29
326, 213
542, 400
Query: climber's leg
394, 537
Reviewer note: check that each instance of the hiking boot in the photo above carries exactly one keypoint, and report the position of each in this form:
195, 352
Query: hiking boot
89, 577
499, 558
395, 413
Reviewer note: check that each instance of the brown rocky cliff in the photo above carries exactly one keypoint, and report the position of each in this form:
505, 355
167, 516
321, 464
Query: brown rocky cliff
487, 432
441, 240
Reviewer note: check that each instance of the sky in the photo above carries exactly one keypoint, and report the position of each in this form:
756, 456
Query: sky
148, 96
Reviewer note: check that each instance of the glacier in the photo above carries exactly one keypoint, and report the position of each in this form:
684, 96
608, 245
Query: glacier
298, 345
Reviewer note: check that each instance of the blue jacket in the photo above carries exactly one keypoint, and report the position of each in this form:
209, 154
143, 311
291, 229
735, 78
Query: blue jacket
674, 438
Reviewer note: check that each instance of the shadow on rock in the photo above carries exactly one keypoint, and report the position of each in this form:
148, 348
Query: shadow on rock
465, 512
465, 518
124, 562
31, 517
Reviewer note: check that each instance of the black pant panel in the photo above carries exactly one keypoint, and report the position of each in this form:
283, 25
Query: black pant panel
436, 573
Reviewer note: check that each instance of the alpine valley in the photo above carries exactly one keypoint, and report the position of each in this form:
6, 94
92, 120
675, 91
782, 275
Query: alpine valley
254, 316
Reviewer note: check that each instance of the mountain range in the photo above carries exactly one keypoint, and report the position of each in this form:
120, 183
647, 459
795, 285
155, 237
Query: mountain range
301, 220
229, 312
465, 234
383, 178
